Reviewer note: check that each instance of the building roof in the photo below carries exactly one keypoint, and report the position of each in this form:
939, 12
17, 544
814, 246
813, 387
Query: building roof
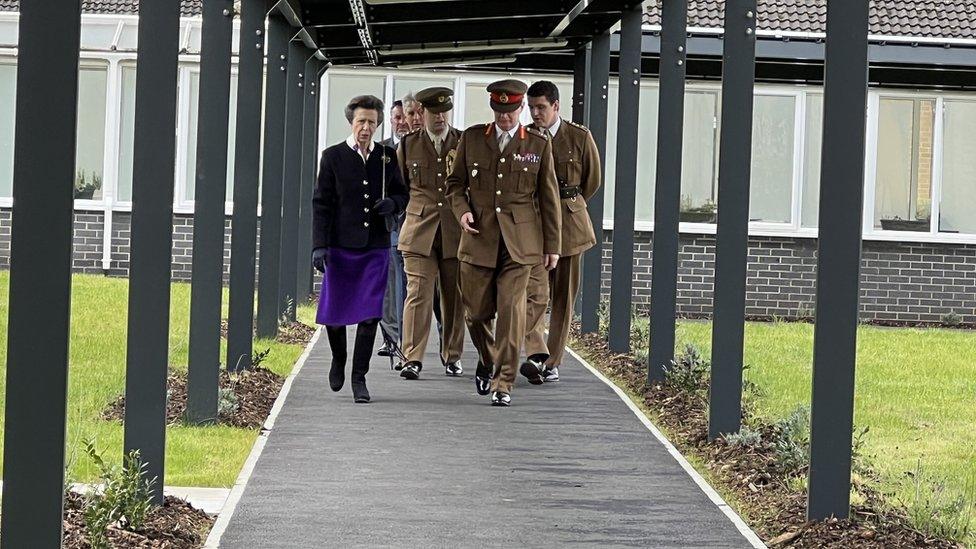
188, 7
910, 18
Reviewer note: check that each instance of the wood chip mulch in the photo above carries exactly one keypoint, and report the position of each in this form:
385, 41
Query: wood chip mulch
772, 508
256, 391
174, 525
290, 333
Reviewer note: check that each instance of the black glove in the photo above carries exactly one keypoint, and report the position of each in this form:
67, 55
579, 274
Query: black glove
384, 207
319, 258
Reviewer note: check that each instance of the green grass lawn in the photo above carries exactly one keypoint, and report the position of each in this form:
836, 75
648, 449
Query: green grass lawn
195, 456
915, 390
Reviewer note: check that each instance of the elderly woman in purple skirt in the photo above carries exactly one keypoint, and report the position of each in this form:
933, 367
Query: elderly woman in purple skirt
358, 194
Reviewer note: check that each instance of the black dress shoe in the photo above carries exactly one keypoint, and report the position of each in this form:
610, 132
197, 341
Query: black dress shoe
453, 369
482, 379
501, 399
532, 371
411, 370
385, 350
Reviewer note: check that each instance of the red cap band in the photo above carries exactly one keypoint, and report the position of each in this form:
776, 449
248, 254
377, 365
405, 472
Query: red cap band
506, 98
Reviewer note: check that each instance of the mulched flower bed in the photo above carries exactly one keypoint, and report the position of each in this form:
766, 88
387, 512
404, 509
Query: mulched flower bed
290, 333
174, 525
773, 509
256, 391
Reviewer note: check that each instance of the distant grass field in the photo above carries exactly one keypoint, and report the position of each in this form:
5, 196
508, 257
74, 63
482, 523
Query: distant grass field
195, 456
915, 390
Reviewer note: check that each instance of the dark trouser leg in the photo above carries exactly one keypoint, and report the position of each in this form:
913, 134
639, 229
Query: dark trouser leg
390, 323
363, 351
537, 301
337, 342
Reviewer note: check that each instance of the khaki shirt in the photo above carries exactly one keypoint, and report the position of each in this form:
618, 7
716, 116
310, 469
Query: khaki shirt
577, 165
425, 174
512, 194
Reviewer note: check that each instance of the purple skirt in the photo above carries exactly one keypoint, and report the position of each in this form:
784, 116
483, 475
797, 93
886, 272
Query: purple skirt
353, 286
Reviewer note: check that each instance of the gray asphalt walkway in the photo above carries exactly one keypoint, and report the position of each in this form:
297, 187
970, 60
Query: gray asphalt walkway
430, 464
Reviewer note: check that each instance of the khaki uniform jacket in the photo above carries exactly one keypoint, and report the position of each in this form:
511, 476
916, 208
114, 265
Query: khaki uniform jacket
425, 174
512, 194
577, 163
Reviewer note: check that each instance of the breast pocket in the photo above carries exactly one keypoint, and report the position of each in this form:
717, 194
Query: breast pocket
415, 169
477, 174
528, 176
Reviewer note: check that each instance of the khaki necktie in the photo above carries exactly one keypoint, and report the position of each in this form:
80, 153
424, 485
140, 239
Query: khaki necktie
503, 141
438, 143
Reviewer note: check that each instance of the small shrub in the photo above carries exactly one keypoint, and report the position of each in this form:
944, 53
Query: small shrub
688, 371
951, 319
745, 438
288, 313
935, 511
125, 499
791, 441
259, 357
227, 401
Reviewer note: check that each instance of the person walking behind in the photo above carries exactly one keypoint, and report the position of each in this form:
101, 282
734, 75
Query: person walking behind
430, 236
578, 173
411, 111
358, 194
396, 284
503, 192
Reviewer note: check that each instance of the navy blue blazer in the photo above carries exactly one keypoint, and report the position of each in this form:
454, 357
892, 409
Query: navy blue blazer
346, 193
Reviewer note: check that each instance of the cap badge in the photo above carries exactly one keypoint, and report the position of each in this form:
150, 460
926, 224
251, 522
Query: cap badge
441, 98
503, 98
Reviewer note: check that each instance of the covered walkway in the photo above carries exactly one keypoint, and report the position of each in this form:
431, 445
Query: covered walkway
430, 464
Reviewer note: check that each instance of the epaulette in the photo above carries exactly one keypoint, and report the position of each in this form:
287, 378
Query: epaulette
580, 126
476, 127
535, 132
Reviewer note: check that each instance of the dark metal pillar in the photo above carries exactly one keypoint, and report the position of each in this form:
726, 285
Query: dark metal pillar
580, 63
598, 82
247, 173
309, 165
208, 214
279, 34
841, 199
625, 189
292, 178
37, 336
732, 241
667, 190
154, 152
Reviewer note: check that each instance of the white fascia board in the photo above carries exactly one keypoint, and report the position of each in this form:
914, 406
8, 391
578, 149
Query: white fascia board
767, 33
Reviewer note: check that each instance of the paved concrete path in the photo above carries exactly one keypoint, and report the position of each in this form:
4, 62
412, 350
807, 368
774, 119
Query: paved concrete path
430, 464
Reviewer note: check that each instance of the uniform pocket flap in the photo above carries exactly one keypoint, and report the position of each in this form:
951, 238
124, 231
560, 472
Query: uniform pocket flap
418, 162
415, 208
575, 204
523, 214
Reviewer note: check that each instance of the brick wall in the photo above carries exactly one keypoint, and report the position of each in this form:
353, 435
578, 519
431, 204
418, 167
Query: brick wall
900, 281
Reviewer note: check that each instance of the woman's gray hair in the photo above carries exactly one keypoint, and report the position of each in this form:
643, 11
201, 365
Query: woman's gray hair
369, 102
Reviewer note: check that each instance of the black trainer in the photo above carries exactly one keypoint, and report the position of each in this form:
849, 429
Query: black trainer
482, 379
453, 369
501, 399
532, 370
411, 370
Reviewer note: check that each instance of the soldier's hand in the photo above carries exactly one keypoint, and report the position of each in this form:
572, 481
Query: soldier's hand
467, 223
551, 260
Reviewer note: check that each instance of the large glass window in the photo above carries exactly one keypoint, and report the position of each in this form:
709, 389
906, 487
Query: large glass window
476, 107
191, 143
8, 99
771, 186
90, 146
903, 185
342, 88
699, 167
646, 153
127, 133
957, 207
813, 141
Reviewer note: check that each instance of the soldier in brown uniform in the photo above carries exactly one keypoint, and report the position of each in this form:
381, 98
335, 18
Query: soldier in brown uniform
430, 235
503, 191
577, 164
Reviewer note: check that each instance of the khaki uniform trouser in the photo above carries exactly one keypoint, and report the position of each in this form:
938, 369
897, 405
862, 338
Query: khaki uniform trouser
561, 285
423, 272
486, 291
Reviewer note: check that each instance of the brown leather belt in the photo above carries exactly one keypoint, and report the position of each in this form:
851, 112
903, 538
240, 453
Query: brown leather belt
569, 192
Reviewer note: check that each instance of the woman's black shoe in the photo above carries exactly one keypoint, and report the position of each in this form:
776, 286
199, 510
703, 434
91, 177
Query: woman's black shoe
337, 342
361, 353
359, 392
337, 375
